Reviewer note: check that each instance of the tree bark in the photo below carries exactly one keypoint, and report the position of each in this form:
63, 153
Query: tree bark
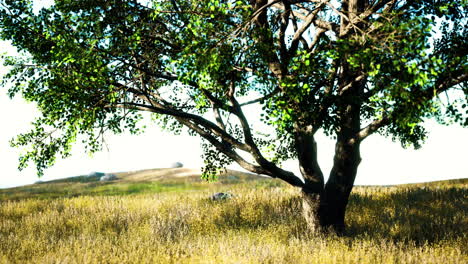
324, 210
313, 187
340, 184
311, 211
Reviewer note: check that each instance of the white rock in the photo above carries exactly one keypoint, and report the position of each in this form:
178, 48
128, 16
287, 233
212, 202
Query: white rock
221, 196
176, 165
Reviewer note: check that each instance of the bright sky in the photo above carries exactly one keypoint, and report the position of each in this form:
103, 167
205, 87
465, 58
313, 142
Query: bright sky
384, 162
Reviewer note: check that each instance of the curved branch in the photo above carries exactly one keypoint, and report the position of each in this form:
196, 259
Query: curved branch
440, 87
269, 166
224, 148
448, 82
168, 109
265, 169
372, 127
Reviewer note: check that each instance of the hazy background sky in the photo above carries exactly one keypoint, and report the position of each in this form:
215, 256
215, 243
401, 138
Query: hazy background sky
443, 156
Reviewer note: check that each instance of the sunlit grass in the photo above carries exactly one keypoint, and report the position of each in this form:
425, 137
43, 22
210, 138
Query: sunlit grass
174, 221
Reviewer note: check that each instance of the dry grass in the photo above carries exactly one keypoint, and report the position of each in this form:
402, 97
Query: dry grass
262, 224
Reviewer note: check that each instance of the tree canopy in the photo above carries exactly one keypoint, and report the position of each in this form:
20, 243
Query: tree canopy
351, 68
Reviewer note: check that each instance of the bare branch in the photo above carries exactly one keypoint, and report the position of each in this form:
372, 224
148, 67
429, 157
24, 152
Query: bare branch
388, 4
306, 24
372, 127
166, 108
318, 34
218, 118
326, 25
282, 34
269, 166
317, 22
215, 101
448, 82
359, 78
224, 148
296, 27
262, 8
263, 98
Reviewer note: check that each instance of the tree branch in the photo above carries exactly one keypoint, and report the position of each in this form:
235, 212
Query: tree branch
269, 166
227, 150
218, 118
372, 127
343, 89
296, 28
318, 34
389, 4
306, 148
306, 24
282, 34
317, 22
441, 86
168, 109
447, 82
263, 98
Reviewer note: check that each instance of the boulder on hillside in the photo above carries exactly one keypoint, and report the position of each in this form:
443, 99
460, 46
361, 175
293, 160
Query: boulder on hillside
221, 196
108, 177
176, 165
96, 174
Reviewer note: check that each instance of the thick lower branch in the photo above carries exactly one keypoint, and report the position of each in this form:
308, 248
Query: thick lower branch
372, 128
306, 148
265, 167
271, 171
222, 147
160, 109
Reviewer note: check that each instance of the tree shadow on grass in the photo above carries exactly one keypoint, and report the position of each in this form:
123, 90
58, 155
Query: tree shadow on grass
414, 215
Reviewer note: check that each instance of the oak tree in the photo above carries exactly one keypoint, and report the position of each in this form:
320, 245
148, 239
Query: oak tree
350, 68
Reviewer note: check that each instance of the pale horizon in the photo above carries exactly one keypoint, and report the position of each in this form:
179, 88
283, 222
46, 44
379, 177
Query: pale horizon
383, 162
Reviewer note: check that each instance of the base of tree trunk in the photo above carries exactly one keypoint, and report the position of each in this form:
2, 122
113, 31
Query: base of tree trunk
320, 216
310, 210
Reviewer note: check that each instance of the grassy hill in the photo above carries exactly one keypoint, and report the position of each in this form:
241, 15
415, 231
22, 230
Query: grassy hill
166, 216
135, 182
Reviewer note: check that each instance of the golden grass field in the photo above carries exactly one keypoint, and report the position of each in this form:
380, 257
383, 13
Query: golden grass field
166, 216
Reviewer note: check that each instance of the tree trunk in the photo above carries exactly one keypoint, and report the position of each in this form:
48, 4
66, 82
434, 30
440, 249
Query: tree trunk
329, 206
324, 206
325, 215
324, 210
